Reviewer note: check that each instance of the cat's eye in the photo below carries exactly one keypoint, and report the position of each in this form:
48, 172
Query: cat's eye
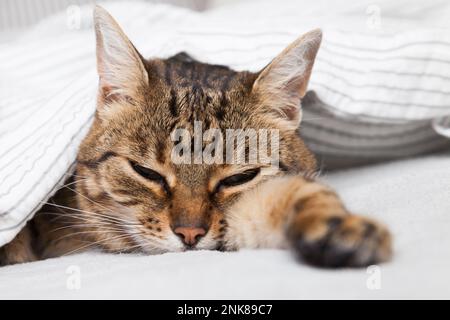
149, 174
238, 179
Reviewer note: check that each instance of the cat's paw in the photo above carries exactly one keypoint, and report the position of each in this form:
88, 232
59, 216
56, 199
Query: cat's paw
340, 241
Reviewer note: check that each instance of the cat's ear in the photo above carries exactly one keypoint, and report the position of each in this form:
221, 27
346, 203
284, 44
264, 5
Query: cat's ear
282, 84
119, 65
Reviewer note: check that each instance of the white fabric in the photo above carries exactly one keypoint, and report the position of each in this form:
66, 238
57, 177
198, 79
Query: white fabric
410, 196
341, 141
18, 14
391, 73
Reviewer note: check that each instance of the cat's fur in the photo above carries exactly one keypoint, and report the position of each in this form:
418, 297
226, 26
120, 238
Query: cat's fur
109, 204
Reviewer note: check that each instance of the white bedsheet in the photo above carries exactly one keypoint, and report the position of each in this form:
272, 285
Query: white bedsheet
412, 197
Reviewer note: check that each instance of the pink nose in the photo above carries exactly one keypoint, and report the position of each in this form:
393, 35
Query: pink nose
190, 235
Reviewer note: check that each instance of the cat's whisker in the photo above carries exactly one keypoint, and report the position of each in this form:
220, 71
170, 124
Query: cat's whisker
116, 219
80, 177
59, 215
123, 236
72, 173
79, 217
89, 232
56, 214
87, 225
129, 222
91, 200
68, 184
88, 219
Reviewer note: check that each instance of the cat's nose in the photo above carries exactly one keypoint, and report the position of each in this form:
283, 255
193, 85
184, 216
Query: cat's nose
190, 235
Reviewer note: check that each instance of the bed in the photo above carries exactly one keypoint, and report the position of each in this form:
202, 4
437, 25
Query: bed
391, 108
412, 196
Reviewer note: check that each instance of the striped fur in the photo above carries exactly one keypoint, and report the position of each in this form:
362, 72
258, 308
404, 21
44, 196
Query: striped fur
109, 203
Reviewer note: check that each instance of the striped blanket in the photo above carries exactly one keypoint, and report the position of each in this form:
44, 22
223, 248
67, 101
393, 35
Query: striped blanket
379, 90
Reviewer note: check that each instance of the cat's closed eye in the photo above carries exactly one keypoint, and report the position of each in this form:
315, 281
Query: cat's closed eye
150, 174
238, 179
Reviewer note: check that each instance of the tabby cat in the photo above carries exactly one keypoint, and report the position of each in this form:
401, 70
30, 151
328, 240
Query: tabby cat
127, 195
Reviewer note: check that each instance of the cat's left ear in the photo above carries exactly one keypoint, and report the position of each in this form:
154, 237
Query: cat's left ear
120, 66
282, 84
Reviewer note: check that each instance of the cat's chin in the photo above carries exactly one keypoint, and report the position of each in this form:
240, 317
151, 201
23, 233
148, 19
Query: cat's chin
177, 246
206, 244
158, 246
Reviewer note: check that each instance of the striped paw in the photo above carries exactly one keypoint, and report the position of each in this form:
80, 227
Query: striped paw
335, 241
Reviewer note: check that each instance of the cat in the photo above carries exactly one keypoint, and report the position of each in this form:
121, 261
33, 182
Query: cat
128, 195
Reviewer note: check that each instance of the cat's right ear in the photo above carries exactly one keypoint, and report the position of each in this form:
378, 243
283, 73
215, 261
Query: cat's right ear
119, 65
282, 84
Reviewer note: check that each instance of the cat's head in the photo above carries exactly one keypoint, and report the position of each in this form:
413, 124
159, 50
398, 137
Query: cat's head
131, 176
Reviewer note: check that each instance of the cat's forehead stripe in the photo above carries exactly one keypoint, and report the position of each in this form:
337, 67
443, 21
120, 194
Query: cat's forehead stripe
173, 103
189, 73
